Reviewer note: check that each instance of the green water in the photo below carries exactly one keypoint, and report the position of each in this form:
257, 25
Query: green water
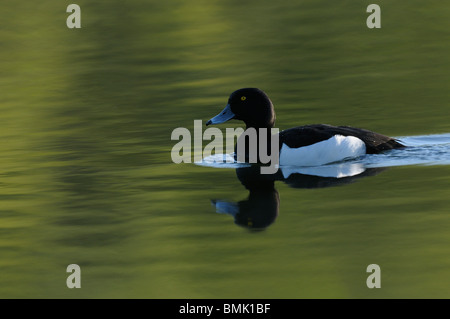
86, 175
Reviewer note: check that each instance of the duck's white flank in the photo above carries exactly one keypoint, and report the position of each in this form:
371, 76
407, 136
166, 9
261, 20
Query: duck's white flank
336, 148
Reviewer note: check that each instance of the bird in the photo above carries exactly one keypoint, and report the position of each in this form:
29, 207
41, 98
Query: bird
308, 145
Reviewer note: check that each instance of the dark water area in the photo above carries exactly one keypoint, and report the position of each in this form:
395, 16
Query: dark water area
86, 175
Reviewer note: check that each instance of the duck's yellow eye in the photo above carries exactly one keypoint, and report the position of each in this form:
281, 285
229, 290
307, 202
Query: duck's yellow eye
243, 98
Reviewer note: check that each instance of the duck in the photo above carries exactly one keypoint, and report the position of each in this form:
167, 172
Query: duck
308, 145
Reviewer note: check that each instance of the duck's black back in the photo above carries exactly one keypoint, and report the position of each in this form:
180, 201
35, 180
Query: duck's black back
310, 134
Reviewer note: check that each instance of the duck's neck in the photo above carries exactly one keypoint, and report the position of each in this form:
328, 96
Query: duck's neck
268, 124
262, 136
258, 127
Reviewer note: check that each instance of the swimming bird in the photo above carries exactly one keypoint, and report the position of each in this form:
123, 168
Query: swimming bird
308, 145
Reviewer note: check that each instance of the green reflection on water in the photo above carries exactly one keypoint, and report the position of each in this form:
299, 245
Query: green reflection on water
86, 175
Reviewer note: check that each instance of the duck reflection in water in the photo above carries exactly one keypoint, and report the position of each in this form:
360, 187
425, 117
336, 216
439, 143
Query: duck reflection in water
261, 208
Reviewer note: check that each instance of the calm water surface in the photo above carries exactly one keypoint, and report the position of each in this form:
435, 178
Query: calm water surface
86, 175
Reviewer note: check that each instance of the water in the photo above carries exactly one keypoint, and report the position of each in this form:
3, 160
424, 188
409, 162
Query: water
85, 170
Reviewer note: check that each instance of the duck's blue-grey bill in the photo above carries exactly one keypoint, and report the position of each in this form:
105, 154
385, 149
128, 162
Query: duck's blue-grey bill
224, 207
223, 116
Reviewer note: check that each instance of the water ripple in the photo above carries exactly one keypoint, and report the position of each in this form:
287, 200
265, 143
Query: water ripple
421, 150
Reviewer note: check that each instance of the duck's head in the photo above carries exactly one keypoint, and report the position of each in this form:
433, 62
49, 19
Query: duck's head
250, 105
